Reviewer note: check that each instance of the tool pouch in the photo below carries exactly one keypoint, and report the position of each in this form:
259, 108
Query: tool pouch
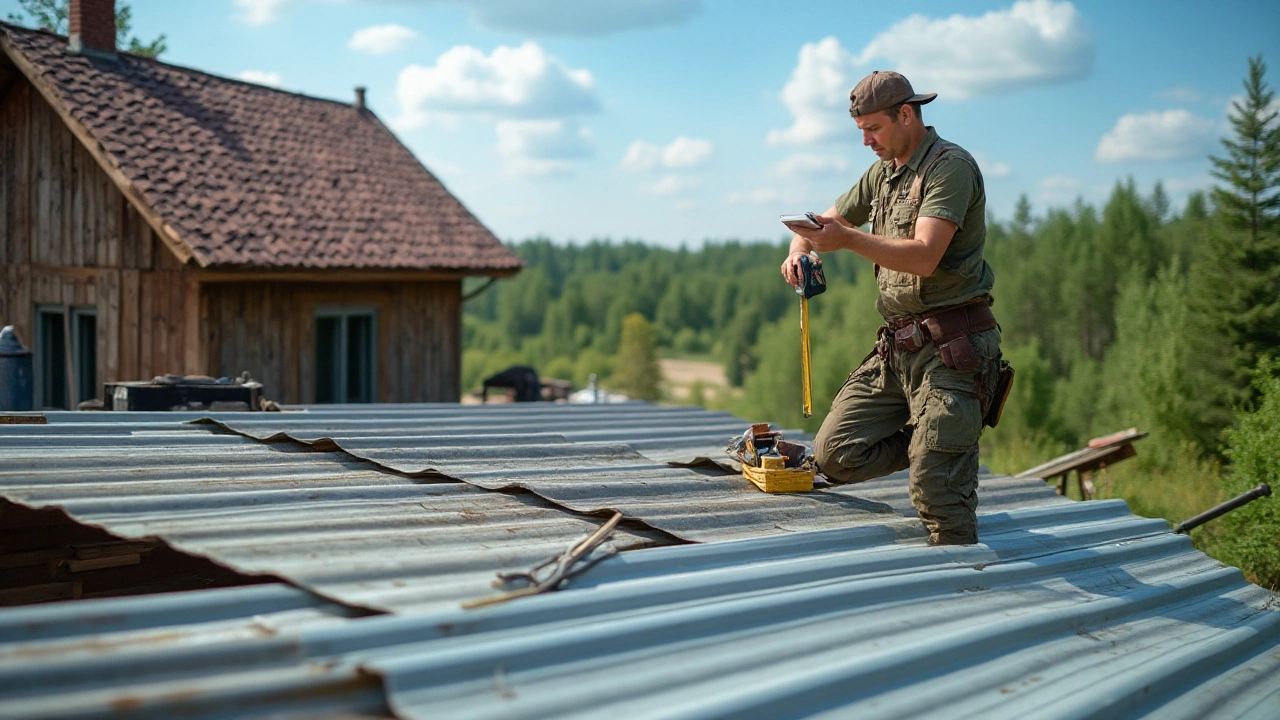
1003, 386
959, 355
909, 337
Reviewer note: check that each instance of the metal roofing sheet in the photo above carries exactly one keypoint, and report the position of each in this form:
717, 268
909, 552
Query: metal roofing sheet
1069, 610
323, 520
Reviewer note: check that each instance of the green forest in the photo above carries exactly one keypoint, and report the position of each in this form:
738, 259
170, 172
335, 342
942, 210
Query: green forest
1126, 315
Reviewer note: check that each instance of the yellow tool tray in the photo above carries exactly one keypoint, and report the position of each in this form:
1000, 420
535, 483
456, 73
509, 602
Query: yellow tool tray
774, 477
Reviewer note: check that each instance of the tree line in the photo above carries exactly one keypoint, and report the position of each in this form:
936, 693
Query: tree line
1130, 314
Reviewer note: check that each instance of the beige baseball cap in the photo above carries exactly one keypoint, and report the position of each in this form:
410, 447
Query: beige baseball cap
881, 90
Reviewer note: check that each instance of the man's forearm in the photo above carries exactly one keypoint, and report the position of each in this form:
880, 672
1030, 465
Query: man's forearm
902, 254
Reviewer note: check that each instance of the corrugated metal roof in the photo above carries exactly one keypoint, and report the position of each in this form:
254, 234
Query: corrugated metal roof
1064, 610
1071, 611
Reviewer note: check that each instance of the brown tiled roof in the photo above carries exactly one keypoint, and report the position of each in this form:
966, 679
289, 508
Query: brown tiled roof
247, 176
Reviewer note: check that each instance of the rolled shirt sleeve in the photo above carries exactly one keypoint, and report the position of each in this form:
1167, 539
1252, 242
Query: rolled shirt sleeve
949, 191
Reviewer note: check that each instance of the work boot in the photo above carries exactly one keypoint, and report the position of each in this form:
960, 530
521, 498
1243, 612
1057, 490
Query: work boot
953, 538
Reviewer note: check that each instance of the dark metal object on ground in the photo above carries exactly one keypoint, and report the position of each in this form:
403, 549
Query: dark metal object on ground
190, 392
1100, 453
17, 391
521, 378
562, 568
1186, 526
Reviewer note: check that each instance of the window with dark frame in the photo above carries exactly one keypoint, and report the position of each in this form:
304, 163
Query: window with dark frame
346, 344
66, 356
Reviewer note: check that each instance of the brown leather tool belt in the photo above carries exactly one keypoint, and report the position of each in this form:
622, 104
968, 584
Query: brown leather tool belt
949, 329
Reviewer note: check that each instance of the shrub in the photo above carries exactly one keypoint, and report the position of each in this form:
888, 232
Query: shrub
1249, 537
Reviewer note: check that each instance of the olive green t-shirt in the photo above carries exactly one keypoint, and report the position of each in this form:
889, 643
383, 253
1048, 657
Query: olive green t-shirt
952, 190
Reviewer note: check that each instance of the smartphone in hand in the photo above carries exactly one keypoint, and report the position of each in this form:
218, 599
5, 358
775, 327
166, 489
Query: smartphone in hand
805, 220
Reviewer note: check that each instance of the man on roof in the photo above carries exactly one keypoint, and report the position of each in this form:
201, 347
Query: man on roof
920, 399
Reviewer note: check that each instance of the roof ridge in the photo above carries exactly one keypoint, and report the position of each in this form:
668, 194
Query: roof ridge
186, 68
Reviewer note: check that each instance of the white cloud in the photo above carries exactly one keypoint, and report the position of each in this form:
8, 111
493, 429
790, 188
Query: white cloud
1034, 42
261, 77
258, 12
1156, 136
808, 164
542, 147
990, 168
579, 17
1184, 95
667, 185
682, 152
511, 83
381, 39
686, 152
817, 94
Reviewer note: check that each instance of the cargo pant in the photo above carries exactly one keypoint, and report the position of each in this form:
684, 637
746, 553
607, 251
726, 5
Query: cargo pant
903, 409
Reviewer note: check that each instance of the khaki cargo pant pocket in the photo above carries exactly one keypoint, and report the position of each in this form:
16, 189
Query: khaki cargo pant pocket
952, 415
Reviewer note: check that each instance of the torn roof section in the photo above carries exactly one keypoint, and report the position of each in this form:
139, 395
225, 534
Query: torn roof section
246, 176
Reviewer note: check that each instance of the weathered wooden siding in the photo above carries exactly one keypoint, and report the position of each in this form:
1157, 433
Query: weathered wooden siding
268, 329
69, 237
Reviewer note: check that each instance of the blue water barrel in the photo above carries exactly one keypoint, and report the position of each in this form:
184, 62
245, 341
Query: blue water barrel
17, 393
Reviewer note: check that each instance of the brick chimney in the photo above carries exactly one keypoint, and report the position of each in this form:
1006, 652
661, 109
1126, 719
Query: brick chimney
92, 27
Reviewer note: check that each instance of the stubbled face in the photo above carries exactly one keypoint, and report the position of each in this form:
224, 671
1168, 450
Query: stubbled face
886, 138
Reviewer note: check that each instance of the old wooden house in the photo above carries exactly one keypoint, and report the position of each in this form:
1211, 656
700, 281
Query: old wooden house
157, 219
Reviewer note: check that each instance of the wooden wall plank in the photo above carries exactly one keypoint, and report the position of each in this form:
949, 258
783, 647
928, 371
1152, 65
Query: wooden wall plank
22, 192
291, 315
128, 322
40, 160
304, 316
146, 243
8, 141
111, 202
192, 338
160, 333
146, 325
178, 324
109, 325
58, 188
74, 211
24, 321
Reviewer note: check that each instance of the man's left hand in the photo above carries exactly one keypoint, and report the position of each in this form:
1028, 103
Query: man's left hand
833, 235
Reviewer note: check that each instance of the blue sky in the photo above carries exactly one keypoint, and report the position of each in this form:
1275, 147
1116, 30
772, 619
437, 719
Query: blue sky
678, 121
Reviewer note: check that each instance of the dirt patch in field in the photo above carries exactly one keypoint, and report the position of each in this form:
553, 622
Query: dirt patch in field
680, 375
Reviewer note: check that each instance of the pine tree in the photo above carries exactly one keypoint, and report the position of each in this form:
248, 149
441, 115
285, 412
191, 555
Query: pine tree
1251, 169
1235, 281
